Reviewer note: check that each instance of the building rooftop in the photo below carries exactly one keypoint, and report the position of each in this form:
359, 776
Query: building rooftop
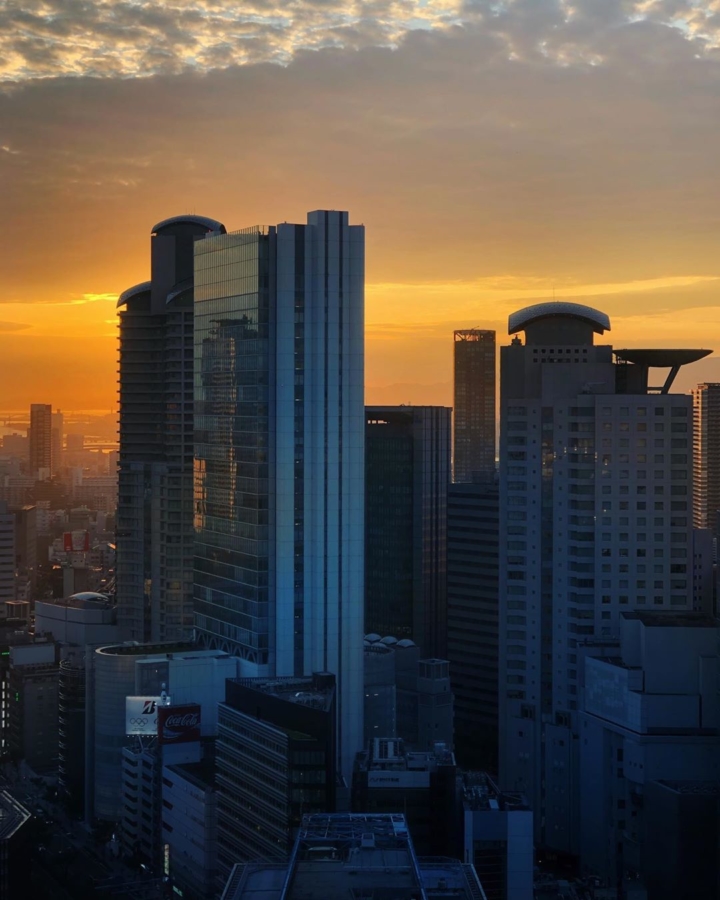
672, 619
390, 754
661, 358
707, 788
316, 690
133, 648
13, 815
479, 792
518, 321
355, 855
201, 774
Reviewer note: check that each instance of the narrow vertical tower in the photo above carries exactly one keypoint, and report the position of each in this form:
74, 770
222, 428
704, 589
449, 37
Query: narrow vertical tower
155, 480
41, 461
279, 472
474, 401
706, 456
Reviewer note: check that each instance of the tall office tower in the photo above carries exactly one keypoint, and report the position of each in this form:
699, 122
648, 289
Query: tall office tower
474, 415
407, 471
706, 450
595, 520
279, 477
155, 474
56, 440
40, 435
472, 617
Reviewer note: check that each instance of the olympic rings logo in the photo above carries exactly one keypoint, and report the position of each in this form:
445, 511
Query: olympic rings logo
138, 721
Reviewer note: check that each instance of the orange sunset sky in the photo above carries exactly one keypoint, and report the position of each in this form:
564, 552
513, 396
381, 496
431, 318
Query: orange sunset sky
499, 153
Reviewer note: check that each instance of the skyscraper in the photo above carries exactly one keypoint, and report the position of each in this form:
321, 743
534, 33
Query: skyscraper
474, 414
706, 456
279, 477
40, 440
595, 520
472, 620
155, 473
407, 471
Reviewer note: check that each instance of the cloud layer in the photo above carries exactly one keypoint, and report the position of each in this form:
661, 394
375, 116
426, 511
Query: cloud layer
120, 38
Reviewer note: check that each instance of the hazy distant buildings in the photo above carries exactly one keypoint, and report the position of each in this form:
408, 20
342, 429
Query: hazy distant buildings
40, 435
595, 521
706, 456
474, 405
407, 471
56, 440
472, 620
279, 477
155, 505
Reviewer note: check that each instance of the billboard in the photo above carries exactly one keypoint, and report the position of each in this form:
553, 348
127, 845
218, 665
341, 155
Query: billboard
141, 715
179, 724
76, 541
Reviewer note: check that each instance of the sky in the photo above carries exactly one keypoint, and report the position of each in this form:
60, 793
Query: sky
498, 153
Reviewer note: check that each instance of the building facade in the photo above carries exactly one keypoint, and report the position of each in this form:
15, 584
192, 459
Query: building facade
595, 520
155, 474
279, 476
40, 434
706, 456
275, 762
645, 721
474, 406
407, 472
472, 602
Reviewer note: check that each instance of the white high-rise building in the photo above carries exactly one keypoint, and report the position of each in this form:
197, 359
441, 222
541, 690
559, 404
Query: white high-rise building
595, 520
279, 447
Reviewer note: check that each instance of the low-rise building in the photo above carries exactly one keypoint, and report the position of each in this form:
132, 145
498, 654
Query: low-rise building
189, 828
355, 855
389, 778
498, 838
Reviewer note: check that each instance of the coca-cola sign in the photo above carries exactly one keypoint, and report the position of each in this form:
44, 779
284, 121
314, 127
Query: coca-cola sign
179, 724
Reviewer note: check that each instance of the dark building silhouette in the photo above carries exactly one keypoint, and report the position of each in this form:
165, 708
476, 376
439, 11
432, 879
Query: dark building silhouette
155, 473
474, 405
472, 613
389, 778
276, 761
407, 471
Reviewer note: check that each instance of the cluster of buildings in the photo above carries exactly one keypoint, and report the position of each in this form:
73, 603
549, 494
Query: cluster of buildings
340, 649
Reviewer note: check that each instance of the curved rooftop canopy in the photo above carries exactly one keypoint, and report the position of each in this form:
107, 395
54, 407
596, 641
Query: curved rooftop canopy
211, 224
518, 321
133, 292
660, 358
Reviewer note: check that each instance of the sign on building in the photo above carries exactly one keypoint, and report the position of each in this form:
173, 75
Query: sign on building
141, 715
76, 541
179, 724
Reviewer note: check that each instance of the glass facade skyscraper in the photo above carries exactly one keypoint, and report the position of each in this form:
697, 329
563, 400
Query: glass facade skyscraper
155, 474
279, 478
474, 401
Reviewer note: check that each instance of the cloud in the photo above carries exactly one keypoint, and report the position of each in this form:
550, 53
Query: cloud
13, 326
128, 38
